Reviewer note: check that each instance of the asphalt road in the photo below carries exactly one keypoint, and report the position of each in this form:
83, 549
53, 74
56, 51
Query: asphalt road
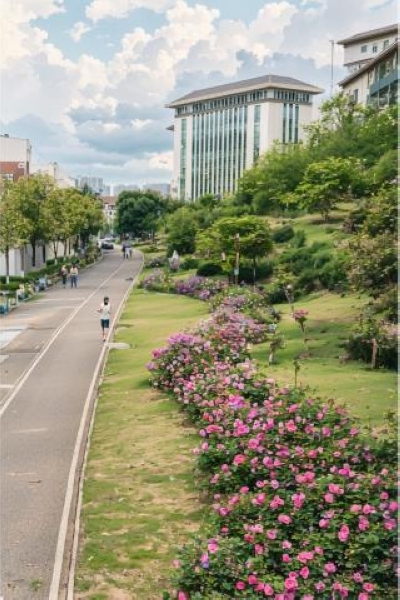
50, 352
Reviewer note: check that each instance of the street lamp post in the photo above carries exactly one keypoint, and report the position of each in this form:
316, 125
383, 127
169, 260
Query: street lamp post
237, 256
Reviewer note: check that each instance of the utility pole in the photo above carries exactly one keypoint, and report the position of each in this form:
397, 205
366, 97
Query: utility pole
332, 42
237, 255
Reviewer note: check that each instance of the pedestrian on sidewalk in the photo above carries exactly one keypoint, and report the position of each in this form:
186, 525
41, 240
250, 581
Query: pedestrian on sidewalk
64, 275
104, 310
73, 272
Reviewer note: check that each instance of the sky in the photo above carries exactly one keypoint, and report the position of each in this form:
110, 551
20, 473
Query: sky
87, 81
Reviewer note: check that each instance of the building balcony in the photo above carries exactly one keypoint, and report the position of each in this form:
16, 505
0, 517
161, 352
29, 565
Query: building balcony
379, 85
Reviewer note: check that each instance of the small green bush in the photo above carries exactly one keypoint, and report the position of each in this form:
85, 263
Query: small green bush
190, 263
308, 280
283, 234
10, 287
299, 239
207, 269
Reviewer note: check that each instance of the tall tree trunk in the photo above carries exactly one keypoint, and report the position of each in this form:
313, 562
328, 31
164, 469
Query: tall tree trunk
7, 253
33, 244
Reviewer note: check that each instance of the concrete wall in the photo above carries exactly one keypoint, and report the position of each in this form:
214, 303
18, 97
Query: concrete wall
21, 259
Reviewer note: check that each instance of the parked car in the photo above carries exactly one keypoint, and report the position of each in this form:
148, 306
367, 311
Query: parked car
107, 244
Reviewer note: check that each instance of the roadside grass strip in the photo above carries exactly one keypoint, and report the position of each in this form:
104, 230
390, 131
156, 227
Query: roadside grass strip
140, 499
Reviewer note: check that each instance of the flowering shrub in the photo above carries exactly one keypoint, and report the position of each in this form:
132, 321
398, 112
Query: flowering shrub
195, 286
368, 330
157, 280
304, 507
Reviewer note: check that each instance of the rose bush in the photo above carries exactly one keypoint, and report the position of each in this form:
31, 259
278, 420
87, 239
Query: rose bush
303, 505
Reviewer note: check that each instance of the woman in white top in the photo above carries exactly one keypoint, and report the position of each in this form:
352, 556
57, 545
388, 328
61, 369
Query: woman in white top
104, 310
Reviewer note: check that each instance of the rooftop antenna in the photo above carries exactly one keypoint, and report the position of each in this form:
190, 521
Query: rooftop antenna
332, 42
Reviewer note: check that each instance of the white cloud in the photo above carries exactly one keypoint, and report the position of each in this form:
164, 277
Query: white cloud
140, 123
78, 30
18, 38
101, 9
110, 112
92, 73
162, 161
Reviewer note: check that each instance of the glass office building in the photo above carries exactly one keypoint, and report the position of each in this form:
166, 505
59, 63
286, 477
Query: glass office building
219, 132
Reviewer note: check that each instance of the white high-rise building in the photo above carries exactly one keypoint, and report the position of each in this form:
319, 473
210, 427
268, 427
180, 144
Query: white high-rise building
221, 131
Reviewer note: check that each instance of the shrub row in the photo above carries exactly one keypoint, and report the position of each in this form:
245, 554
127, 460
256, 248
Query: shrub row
303, 506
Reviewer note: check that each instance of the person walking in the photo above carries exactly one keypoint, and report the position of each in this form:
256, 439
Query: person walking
105, 310
64, 275
73, 272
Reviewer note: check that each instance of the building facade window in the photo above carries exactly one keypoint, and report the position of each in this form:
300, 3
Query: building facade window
218, 150
290, 123
257, 115
385, 44
182, 176
375, 48
364, 48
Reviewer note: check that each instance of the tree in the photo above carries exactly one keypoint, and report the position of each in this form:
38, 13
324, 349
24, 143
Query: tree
90, 217
325, 182
31, 194
347, 129
138, 212
373, 263
277, 173
254, 239
182, 227
14, 227
55, 217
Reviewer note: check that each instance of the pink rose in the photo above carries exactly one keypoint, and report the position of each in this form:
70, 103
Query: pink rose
330, 568
268, 590
284, 519
291, 584
305, 572
343, 533
240, 585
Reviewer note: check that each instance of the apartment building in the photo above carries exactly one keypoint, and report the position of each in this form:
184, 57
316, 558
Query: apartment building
361, 48
15, 157
373, 81
53, 170
221, 131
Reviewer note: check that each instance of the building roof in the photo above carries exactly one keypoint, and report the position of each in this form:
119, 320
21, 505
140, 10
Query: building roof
367, 35
267, 81
371, 63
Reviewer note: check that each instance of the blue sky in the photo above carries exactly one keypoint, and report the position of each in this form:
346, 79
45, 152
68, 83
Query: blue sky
87, 81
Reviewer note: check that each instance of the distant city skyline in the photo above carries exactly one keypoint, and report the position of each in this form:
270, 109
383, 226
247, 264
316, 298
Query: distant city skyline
88, 82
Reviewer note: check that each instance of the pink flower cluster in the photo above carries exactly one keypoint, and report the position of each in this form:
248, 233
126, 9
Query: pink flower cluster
302, 507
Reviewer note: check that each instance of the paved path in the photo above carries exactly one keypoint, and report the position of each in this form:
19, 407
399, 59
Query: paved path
50, 350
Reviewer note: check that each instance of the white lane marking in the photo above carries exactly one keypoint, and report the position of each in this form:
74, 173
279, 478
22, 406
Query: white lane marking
63, 298
40, 430
60, 328
6, 386
60, 550
7, 335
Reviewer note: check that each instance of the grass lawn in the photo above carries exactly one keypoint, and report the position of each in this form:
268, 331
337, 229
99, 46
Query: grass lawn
367, 393
140, 500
